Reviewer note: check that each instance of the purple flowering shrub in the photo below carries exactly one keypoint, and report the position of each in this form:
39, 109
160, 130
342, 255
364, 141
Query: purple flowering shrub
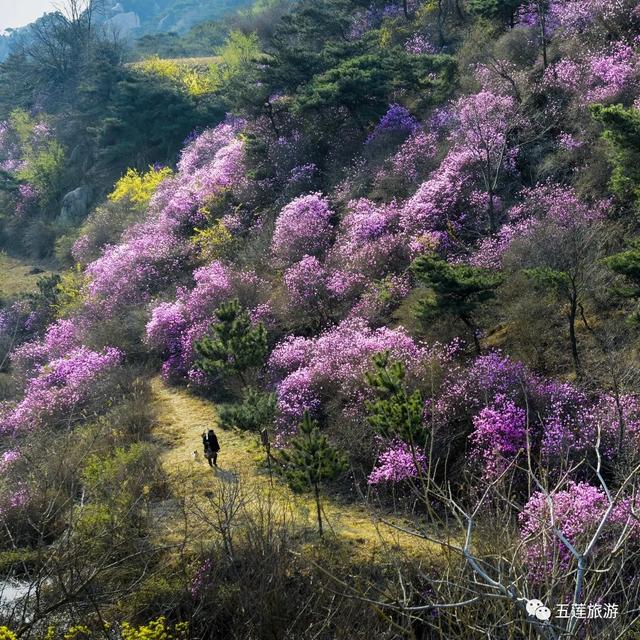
552, 204
446, 209
153, 253
310, 372
302, 228
63, 389
369, 241
460, 198
397, 463
22, 139
398, 121
576, 511
512, 414
307, 288
601, 77
175, 327
499, 434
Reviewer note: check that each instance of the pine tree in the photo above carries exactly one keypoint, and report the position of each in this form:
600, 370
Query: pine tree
396, 412
622, 134
627, 263
457, 290
234, 346
310, 461
504, 10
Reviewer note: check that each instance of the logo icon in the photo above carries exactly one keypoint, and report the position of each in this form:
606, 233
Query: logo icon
536, 608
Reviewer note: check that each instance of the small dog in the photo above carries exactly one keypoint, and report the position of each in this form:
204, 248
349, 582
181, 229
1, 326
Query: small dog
196, 456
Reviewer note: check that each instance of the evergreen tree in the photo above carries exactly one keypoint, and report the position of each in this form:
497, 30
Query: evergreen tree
310, 461
504, 10
256, 411
234, 346
456, 290
564, 285
627, 263
395, 412
622, 133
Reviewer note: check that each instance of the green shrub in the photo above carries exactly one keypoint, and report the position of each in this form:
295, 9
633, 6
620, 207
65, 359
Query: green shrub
255, 412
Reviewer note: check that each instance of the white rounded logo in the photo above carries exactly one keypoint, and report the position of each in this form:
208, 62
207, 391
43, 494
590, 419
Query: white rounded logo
536, 608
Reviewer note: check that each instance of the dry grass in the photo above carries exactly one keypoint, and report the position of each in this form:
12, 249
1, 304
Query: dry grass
183, 418
16, 277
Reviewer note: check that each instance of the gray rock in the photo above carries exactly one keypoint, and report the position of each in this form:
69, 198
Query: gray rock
75, 205
123, 23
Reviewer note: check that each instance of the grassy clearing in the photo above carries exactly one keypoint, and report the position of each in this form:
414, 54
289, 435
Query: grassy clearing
18, 277
183, 418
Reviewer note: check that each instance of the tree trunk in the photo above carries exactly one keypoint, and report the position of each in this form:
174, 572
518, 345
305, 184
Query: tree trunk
474, 332
543, 32
440, 24
316, 489
573, 310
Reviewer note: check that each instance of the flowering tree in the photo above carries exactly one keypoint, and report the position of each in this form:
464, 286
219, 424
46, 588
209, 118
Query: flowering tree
485, 121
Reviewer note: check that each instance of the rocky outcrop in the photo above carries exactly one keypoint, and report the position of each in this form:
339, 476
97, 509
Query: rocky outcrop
123, 23
75, 205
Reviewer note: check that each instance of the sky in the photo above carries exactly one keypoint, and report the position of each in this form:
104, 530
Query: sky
17, 13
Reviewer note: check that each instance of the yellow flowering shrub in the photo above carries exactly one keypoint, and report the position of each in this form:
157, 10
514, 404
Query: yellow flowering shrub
155, 630
70, 291
7, 634
138, 187
194, 80
77, 632
213, 242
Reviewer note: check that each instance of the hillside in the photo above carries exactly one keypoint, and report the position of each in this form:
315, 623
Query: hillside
390, 253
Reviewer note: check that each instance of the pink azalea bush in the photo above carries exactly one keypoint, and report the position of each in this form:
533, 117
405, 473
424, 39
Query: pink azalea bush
576, 512
62, 389
397, 463
601, 77
310, 371
499, 434
306, 283
175, 327
398, 120
559, 205
369, 241
153, 253
509, 409
148, 259
60, 338
415, 153
8, 458
459, 197
302, 228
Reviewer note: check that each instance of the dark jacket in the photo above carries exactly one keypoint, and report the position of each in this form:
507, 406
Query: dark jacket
212, 442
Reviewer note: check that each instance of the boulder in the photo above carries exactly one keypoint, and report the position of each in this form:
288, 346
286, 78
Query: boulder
75, 205
123, 23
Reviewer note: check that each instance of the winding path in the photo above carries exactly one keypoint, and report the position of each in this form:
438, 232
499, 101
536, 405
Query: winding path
181, 420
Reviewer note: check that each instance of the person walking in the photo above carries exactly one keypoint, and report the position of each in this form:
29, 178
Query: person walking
211, 447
